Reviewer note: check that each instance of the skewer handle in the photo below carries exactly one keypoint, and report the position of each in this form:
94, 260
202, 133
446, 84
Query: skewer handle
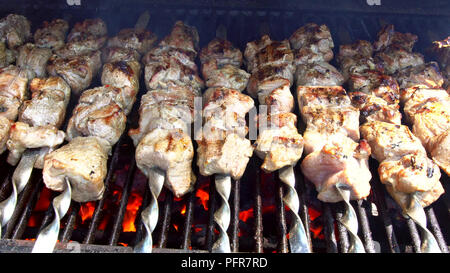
223, 214
150, 214
350, 221
298, 241
20, 179
417, 214
47, 238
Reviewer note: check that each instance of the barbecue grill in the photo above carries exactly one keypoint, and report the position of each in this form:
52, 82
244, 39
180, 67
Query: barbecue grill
259, 218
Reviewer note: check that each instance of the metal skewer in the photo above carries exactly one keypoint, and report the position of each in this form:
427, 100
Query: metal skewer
350, 221
47, 238
417, 214
150, 214
298, 241
20, 179
223, 214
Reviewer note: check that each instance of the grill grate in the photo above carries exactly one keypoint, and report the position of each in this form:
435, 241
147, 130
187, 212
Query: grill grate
378, 232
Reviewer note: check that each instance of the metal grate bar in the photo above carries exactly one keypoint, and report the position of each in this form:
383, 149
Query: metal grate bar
432, 221
234, 224
364, 225
281, 217
258, 212
329, 232
187, 230
166, 216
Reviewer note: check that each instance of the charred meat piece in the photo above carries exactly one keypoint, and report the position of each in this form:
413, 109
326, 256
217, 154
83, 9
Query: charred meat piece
34, 60
318, 74
52, 34
22, 136
83, 161
227, 76
77, 71
222, 52
139, 40
115, 54
99, 113
13, 91
343, 162
425, 75
387, 37
273, 53
15, 30
395, 58
124, 75
376, 83
270, 77
279, 144
171, 151
171, 108
165, 54
360, 48
322, 96
49, 99
373, 108
182, 37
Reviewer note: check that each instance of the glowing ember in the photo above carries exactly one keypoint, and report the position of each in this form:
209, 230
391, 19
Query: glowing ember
175, 226
204, 197
134, 202
244, 215
443, 43
86, 211
197, 229
315, 227
183, 210
123, 244
42, 205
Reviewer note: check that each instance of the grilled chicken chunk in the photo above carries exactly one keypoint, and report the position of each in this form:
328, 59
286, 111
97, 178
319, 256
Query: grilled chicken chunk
171, 108
5, 125
99, 113
13, 91
49, 99
34, 60
425, 75
279, 144
77, 71
182, 37
15, 30
273, 53
373, 108
22, 136
395, 58
318, 74
139, 40
83, 161
269, 78
116, 54
52, 34
377, 84
341, 162
403, 161
278, 99
312, 43
228, 76
222, 51
172, 152
124, 75
387, 37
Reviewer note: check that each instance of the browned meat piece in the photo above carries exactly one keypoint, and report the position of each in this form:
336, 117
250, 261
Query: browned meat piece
270, 77
52, 34
99, 113
390, 141
7, 56
312, 43
278, 99
439, 149
274, 53
22, 137
318, 74
49, 99
171, 108
85, 37
182, 37
158, 75
222, 52
358, 49
279, 144
387, 37
329, 96
34, 60
124, 75
77, 71
425, 75
139, 40
171, 151
356, 58
115, 54
224, 129
376, 83
342, 162
165, 54
13, 91
373, 108
15, 30
395, 58
5, 125
228, 76
425, 198
83, 161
